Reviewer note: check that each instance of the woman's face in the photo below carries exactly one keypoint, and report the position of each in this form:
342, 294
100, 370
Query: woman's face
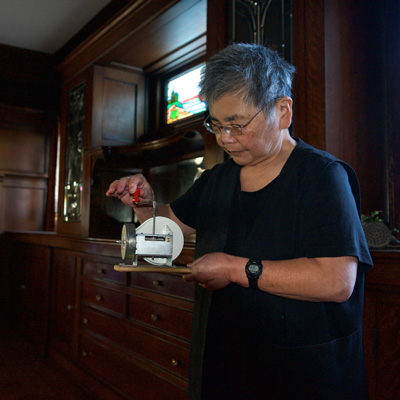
260, 139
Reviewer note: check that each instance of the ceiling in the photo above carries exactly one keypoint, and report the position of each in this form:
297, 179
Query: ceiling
44, 25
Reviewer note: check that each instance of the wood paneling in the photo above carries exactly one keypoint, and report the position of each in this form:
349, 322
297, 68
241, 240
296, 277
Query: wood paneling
142, 34
339, 97
118, 107
29, 267
309, 81
23, 151
355, 98
26, 138
25, 134
164, 33
23, 203
63, 329
382, 326
29, 79
392, 87
217, 26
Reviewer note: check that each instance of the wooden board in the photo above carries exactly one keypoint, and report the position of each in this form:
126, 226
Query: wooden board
164, 270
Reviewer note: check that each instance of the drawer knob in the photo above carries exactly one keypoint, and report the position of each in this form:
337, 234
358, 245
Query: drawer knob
86, 353
70, 307
101, 271
158, 282
85, 321
175, 362
23, 287
99, 298
155, 317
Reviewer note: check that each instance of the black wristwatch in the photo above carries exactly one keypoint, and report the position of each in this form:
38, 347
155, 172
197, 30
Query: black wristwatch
253, 271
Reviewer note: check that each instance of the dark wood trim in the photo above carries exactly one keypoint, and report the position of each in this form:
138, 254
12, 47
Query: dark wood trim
130, 20
392, 110
217, 26
51, 207
309, 82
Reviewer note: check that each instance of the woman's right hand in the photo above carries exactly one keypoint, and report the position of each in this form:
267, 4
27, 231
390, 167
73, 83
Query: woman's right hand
125, 187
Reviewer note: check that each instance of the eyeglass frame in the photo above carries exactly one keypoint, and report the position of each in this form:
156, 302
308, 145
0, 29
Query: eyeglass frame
209, 125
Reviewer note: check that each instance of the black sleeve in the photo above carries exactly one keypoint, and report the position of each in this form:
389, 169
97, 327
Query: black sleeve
331, 224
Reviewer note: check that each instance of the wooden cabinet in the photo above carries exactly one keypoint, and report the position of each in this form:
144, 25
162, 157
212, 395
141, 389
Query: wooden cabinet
121, 335
64, 303
126, 335
382, 326
27, 169
30, 272
140, 324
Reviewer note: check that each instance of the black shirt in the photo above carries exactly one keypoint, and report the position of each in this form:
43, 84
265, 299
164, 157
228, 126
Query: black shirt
258, 344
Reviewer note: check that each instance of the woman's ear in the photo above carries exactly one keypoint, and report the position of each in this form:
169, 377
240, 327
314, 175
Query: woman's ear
285, 109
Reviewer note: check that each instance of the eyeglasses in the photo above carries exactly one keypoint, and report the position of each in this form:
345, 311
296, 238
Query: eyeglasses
230, 129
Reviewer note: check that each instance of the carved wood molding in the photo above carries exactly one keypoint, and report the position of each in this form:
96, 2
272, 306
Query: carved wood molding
127, 25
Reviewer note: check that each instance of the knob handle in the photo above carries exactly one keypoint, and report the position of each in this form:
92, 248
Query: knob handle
174, 362
155, 317
98, 297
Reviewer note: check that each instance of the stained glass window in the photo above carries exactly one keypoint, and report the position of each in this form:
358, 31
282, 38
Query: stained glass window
183, 96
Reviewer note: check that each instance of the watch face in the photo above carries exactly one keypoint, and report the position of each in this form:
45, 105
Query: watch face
253, 268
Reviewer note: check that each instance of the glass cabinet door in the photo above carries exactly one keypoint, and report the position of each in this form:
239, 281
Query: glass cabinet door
74, 148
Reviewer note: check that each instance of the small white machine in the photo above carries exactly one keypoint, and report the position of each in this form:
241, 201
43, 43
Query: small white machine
158, 241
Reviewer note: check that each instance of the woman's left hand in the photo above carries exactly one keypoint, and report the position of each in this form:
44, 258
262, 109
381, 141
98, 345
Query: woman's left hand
211, 271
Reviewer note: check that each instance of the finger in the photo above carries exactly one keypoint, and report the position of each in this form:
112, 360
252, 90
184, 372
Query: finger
195, 262
138, 181
203, 285
125, 184
188, 277
112, 188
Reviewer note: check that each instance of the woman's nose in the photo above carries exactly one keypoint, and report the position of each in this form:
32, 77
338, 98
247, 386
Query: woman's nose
227, 137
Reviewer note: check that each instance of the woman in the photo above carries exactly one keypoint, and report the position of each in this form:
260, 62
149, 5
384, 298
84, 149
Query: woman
280, 251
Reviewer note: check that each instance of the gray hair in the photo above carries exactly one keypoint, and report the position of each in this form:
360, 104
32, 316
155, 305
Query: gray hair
253, 72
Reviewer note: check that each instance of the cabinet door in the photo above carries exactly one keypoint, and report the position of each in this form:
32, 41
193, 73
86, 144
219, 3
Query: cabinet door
382, 326
382, 343
31, 277
64, 302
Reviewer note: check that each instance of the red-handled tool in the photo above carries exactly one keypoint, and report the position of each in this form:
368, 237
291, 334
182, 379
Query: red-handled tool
136, 196
138, 203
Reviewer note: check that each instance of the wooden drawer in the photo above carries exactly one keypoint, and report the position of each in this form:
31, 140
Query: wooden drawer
102, 271
161, 316
129, 375
163, 283
386, 271
172, 355
103, 298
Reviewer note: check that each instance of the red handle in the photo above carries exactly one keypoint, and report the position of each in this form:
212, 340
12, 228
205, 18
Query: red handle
136, 196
